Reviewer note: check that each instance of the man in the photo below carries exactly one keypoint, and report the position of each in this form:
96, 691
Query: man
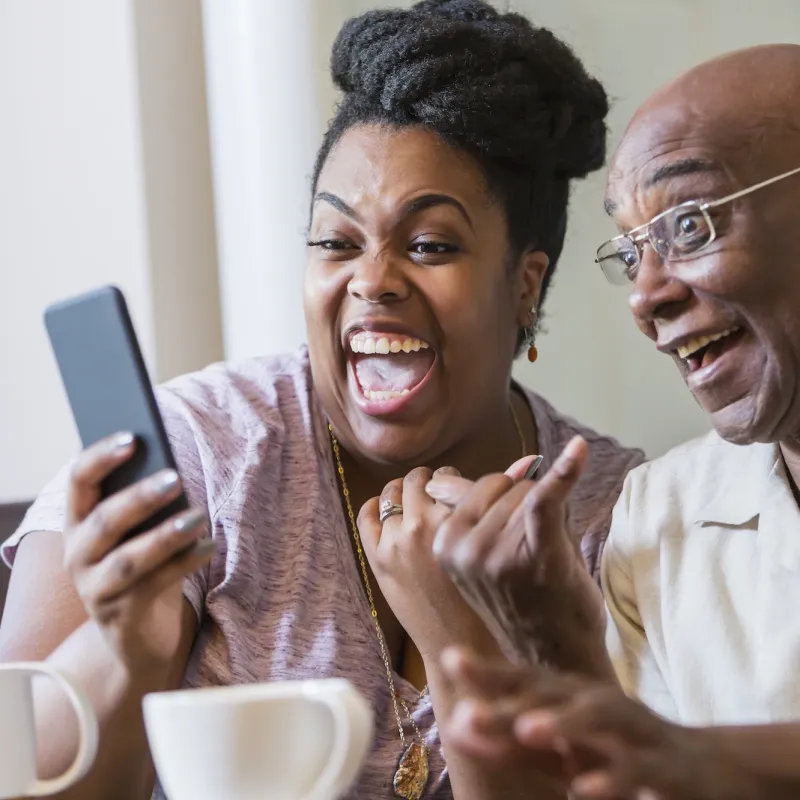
701, 572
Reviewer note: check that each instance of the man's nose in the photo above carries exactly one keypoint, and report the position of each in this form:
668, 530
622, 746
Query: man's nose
656, 289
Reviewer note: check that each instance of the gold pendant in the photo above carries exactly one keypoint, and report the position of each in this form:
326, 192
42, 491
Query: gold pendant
412, 773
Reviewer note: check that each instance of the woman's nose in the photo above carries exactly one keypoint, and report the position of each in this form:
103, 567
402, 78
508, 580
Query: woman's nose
656, 290
378, 279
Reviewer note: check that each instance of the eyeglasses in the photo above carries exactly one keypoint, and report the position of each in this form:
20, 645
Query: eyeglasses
677, 234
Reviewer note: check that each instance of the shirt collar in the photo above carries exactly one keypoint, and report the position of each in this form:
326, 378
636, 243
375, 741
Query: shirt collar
754, 485
744, 476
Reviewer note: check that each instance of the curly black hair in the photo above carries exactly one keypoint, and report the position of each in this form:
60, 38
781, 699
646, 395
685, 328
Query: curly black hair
512, 95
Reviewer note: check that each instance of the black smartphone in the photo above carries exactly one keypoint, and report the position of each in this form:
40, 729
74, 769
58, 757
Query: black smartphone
108, 387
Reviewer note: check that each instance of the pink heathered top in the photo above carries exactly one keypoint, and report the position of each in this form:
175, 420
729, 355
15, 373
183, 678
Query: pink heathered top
283, 598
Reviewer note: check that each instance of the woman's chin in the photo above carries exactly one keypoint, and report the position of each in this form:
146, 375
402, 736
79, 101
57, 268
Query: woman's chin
387, 443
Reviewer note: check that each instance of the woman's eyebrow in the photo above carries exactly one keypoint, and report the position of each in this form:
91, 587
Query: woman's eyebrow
415, 206
338, 204
431, 200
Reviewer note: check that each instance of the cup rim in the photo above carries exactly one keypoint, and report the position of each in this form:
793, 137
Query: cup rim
246, 692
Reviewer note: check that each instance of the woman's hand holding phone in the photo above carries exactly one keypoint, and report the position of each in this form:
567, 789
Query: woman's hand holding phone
131, 587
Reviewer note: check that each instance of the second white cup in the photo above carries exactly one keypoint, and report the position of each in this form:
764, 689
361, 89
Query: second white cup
294, 740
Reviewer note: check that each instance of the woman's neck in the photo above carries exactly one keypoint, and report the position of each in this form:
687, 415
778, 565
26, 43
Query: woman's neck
493, 447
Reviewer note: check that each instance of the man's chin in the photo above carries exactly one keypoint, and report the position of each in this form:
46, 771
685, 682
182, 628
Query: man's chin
739, 423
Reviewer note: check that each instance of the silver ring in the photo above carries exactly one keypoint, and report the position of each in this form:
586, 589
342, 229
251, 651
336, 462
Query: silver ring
389, 509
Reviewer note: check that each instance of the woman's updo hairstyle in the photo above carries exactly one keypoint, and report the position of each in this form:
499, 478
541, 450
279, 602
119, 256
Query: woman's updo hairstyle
513, 96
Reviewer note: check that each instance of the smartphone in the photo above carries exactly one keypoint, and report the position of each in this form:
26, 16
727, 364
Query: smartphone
108, 387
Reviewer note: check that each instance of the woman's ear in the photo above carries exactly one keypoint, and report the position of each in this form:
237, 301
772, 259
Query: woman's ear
532, 269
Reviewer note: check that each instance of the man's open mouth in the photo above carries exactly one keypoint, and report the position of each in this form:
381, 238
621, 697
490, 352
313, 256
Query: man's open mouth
389, 366
703, 351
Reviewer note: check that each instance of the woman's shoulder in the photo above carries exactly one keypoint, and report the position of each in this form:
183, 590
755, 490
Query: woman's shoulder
606, 453
261, 383
226, 417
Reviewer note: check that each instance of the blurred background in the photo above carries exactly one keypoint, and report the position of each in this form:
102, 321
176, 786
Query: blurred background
166, 146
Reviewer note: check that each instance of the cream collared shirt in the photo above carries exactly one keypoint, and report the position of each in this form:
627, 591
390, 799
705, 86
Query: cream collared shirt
701, 573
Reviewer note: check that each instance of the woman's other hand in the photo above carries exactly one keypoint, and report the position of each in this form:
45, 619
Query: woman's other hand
131, 588
508, 549
400, 553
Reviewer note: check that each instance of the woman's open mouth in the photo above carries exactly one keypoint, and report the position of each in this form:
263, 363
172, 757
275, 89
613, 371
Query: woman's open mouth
387, 370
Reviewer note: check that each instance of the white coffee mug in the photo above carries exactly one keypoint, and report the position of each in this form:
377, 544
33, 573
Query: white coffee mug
18, 732
292, 740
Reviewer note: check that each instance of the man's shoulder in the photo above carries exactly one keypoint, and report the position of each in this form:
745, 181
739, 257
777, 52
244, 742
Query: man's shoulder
690, 463
676, 490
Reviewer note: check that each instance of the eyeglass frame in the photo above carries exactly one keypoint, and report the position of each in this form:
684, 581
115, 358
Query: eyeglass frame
703, 207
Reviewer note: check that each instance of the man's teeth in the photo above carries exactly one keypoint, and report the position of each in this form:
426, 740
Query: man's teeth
383, 345
691, 347
384, 395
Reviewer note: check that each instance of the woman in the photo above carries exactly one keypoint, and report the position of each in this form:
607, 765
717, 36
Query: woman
438, 216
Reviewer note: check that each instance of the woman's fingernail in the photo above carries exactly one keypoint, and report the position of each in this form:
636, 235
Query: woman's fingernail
191, 520
166, 481
205, 547
123, 441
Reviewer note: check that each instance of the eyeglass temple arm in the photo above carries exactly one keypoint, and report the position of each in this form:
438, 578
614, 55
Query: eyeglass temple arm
743, 192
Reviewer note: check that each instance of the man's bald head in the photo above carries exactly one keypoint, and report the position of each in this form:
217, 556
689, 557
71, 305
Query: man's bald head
741, 105
730, 273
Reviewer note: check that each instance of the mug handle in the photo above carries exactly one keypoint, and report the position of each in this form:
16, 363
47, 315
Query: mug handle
346, 721
87, 727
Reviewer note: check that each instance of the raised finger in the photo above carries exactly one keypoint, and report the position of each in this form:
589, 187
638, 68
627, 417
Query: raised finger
450, 488
518, 469
91, 467
554, 487
108, 522
138, 558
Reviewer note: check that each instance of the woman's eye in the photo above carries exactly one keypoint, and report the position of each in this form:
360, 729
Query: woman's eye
432, 248
332, 244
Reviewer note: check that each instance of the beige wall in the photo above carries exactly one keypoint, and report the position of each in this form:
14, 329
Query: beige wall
96, 187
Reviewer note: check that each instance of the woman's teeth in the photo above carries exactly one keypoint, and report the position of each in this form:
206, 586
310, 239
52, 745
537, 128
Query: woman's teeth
384, 345
691, 347
384, 395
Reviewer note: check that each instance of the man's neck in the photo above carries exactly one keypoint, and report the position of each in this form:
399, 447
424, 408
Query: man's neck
790, 449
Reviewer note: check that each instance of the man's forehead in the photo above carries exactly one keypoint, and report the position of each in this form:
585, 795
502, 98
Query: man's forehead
719, 112
677, 133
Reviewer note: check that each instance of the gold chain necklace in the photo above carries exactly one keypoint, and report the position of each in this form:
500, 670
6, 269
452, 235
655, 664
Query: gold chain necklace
411, 776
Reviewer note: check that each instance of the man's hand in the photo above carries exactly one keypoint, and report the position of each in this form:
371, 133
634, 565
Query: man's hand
602, 744
507, 547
